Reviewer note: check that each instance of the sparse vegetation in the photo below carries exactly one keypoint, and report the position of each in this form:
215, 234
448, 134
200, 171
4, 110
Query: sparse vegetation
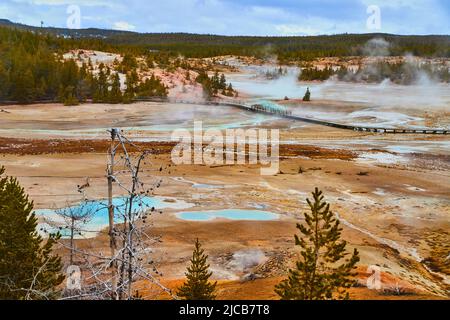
396, 290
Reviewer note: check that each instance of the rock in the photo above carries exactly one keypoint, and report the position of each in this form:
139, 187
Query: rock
250, 277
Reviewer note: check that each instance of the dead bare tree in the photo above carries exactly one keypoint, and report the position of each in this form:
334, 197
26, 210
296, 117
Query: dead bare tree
112, 241
75, 219
131, 259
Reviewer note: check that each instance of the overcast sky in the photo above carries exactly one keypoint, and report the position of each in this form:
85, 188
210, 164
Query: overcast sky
239, 17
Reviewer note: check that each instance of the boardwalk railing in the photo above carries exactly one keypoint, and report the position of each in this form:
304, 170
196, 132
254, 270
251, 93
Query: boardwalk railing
283, 112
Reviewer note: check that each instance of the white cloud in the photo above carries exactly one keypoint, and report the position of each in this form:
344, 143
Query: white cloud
237, 17
295, 29
81, 3
267, 11
124, 26
414, 4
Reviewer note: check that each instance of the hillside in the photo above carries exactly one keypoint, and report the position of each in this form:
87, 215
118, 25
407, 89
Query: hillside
286, 48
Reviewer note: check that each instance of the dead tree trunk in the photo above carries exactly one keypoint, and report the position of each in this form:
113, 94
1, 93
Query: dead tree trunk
72, 231
112, 241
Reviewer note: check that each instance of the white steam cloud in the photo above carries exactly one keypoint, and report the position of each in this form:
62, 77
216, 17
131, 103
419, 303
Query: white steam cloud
377, 47
245, 259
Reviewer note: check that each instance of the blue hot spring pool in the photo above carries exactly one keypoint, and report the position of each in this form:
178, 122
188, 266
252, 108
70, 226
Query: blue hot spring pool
231, 214
99, 211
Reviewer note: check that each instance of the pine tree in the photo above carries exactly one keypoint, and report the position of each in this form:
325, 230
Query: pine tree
307, 96
28, 270
131, 83
115, 95
197, 286
101, 86
152, 87
318, 274
70, 98
24, 87
222, 82
230, 90
4, 82
128, 63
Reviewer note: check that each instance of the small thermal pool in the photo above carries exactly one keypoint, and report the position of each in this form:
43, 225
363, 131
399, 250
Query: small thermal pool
231, 214
98, 209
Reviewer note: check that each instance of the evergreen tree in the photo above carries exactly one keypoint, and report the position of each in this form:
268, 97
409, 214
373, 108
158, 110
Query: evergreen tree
230, 90
150, 62
307, 96
222, 82
69, 74
128, 63
28, 270
197, 286
208, 91
24, 87
318, 274
90, 66
131, 82
115, 95
101, 85
4, 82
69, 97
152, 87
84, 88
311, 74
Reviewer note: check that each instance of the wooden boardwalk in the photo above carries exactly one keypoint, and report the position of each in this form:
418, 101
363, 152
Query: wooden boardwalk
289, 115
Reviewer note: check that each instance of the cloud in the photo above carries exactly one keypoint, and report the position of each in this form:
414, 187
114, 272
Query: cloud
376, 47
296, 29
124, 26
84, 3
238, 17
414, 4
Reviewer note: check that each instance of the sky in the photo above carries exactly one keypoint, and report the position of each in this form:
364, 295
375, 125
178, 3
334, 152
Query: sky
238, 17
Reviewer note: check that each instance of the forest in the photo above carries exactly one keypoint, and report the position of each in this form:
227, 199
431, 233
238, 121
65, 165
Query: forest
214, 85
32, 68
400, 73
292, 48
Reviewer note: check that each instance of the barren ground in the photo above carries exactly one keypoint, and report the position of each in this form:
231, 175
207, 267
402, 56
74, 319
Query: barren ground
395, 214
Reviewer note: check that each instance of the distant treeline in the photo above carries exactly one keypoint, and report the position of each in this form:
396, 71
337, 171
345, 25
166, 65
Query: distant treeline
316, 74
287, 49
293, 48
32, 68
400, 73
